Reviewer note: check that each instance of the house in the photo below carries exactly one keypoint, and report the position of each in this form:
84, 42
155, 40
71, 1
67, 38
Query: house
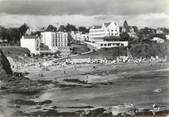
84, 37
133, 31
97, 33
31, 42
97, 36
159, 31
78, 36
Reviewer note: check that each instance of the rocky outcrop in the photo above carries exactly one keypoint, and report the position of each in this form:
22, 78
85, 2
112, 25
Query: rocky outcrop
5, 68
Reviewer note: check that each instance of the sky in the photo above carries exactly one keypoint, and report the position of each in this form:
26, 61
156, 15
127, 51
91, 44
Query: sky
38, 13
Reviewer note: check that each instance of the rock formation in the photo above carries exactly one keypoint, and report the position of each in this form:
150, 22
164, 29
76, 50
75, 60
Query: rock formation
5, 68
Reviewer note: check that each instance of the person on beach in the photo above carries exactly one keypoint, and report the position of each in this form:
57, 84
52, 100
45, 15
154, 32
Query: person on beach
133, 110
156, 108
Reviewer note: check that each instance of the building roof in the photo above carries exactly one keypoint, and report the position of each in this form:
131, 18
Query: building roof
125, 24
107, 24
97, 27
30, 37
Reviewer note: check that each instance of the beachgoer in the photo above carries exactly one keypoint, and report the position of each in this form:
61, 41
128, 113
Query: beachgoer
156, 108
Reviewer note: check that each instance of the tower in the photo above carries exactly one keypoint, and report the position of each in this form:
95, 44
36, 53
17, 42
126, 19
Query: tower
125, 27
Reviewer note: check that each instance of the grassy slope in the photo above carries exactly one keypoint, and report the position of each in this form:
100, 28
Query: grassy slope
105, 53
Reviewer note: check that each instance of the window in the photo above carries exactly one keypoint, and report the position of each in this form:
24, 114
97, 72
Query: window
105, 44
101, 44
109, 44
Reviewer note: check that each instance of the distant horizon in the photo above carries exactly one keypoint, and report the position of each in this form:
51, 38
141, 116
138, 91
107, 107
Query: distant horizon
12, 25
41, 13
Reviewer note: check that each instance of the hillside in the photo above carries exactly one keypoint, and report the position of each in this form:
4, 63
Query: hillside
149, 49
145, 50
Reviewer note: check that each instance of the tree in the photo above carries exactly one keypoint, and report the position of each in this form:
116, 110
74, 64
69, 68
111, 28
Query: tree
61, 28
15, 35
83, 29
36, 33
111, 38
124, 36
3, 33
160, 36
12, 35
70, 27
58, 53
23, 28
51, 28
146, 34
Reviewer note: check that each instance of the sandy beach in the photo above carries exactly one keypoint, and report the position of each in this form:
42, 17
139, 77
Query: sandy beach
79, 87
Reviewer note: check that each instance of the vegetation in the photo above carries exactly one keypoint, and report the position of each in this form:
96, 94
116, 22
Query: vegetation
67, 28
143, 46
13, 35
70, 27
83, 29
79, 48
51, 28
148, 49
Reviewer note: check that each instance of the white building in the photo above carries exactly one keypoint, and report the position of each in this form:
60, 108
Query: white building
97, 33
108, 44
84, 37
61, 39
32, 43
159, 31
158, 40
54, 40
76, 35
49, 39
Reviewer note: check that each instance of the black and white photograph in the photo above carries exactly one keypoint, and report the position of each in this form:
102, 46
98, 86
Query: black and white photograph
84, 58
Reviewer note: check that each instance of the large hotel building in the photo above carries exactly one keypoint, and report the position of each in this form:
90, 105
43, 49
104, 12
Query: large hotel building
98, 33
54, 40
